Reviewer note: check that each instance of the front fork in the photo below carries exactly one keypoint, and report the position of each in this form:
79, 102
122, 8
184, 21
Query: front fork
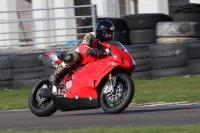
109, 87
111, 82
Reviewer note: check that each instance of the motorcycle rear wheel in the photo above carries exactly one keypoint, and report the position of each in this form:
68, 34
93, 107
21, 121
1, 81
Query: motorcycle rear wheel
120, 104
40, 106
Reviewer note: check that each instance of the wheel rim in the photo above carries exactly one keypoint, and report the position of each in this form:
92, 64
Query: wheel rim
39, 97
37, 100
115, 99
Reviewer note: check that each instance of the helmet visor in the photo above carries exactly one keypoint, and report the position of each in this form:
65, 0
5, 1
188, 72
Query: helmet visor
108, 34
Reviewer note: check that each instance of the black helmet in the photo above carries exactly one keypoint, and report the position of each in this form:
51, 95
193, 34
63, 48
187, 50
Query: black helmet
105, 30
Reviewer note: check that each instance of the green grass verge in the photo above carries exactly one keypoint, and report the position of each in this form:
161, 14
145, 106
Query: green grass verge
14, 99
171, 89
177, 129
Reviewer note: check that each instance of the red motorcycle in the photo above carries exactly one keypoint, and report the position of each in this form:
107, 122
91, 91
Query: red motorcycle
105, 82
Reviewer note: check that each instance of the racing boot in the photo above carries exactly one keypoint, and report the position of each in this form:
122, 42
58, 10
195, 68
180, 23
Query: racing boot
58, 74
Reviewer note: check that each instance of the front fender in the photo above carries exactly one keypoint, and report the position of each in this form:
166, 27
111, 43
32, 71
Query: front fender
114, 77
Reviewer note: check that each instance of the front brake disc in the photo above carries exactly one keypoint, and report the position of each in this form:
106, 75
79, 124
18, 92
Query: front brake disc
113, 97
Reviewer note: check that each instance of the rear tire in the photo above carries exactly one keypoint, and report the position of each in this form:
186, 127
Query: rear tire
41, 106
122, 103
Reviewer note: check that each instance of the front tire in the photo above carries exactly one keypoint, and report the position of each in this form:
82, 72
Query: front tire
118, 102
38, 105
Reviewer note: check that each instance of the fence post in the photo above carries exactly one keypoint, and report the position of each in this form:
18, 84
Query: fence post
7, 5
94, 16
65, 23
40, 25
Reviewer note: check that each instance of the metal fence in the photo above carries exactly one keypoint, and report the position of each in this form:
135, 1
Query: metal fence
46, 31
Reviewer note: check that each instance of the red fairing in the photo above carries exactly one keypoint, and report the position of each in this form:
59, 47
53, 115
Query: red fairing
122, 57
86, 80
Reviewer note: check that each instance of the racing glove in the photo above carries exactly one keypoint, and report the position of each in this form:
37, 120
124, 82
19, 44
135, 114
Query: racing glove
94, 52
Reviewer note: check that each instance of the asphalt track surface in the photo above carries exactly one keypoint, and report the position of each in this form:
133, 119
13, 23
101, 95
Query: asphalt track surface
172, 115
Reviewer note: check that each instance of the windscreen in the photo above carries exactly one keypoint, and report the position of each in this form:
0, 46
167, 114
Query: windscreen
117, 44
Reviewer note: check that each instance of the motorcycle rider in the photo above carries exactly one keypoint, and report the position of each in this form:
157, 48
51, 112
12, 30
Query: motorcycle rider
90, 45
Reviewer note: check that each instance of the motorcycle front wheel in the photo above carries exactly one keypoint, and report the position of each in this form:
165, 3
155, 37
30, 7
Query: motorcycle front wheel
38, 105
118, 101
